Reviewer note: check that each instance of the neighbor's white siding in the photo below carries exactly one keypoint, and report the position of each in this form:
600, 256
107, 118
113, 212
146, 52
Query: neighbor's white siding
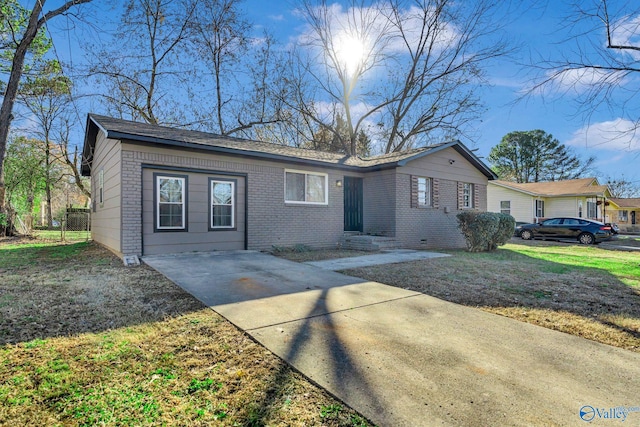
563, 206
522, 205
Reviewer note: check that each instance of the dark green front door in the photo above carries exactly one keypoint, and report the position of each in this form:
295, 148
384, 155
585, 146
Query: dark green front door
352, 204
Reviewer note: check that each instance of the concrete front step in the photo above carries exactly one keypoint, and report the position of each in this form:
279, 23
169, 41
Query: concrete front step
369, 243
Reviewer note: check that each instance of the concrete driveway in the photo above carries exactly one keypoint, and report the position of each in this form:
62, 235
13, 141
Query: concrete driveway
406, 359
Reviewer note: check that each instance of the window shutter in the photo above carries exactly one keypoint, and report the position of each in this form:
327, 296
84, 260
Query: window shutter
460, 195
414, 191
476, 196
435, 192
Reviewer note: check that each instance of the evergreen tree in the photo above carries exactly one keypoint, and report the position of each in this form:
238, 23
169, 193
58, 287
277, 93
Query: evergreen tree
535, 156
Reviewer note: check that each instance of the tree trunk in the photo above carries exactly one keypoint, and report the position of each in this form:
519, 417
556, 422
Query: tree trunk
17, 65
47, 182
6, 111
29, 218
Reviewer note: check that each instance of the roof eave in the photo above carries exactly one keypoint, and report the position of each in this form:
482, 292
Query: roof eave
130, 138
89, 144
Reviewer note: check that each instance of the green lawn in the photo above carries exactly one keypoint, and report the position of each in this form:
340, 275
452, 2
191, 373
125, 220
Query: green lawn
623, 265
57, 235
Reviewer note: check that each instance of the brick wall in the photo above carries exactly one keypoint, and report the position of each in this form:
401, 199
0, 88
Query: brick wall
271, 221
380, 202
428, 227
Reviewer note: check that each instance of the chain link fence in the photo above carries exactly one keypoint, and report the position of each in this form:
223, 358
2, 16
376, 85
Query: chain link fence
71, 225
76, 224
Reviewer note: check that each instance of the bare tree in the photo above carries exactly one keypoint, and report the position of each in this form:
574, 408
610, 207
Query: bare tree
348, 46
599, 63
69, 154
241, 69
622, 188
142, 67
23, 39
412, 67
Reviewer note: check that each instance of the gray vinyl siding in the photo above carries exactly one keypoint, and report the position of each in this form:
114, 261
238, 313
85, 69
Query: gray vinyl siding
270, 221
197, 237
105, 219
379, 197
436, 227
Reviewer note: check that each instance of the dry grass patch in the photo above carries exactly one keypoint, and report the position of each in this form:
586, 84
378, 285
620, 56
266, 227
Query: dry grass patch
585, 291
86, 341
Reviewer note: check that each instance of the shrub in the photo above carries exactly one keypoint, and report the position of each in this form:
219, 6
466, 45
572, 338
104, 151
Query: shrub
485, 231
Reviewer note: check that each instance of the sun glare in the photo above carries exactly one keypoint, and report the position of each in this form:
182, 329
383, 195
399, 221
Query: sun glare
350, 52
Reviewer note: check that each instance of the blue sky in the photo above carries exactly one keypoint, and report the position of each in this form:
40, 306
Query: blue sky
536, 31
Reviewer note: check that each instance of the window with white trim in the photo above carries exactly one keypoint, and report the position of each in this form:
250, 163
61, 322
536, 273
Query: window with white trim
623, 216
424, 191
467, 195
539, 208
592, 209
505, 207
171, 206
305, 187
222, 204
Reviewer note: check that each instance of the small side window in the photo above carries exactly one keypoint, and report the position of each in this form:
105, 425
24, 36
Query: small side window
101, 187
467, 196
505, 207
424, 192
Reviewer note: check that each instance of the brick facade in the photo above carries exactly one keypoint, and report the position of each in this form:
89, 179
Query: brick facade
270, 221
428, 227
124, 223
380, 203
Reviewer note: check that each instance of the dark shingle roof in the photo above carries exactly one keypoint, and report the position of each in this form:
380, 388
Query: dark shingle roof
154, 134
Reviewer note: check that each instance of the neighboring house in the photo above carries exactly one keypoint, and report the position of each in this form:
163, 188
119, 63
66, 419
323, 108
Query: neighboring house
626, 213
531, 202
162, 190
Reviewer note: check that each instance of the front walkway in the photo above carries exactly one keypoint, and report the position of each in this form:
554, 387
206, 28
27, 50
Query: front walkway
402, 358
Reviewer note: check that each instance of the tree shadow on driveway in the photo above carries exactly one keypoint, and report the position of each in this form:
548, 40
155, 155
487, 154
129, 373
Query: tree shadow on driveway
315, 347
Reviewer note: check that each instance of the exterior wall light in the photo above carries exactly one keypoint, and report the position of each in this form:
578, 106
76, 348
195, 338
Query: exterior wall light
339, 183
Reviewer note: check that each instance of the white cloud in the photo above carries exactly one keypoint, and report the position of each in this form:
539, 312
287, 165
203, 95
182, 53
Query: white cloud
615, 135
277, 18
511, 83
581, 80
626, 32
